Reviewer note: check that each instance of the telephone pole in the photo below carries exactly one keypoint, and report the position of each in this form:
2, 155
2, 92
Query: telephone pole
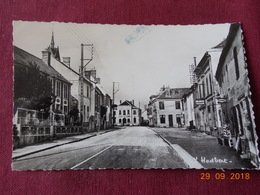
113, 105
82, 66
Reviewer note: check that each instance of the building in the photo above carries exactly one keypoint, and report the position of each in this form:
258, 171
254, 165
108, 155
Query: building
126, 113
61, 87
206, 107
237, 113
165, 109
41, 100
188, 108
85, 89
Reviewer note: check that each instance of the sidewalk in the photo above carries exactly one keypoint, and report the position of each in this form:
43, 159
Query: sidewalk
204, 148
21, 152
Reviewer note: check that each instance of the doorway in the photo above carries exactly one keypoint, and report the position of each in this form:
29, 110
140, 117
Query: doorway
170, 120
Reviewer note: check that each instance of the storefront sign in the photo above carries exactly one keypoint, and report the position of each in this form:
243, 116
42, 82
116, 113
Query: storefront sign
200, 102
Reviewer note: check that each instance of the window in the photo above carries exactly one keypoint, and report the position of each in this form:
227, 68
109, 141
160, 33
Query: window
207, 86
134, 120
161, 105
119, 120
178, 120
210, 84
120, 112
236, 62
134, 112
200, 90
177, 105
52, 85
209, 109
128, 112
87, 91
123, 112
65, 95
203, 88
128, 120
87, 111
65, 109
162, 119
58, 88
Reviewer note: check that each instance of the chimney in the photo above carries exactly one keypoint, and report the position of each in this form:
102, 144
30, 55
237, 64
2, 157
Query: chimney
93, 73
98, 80
87, 74
46, 57
120, 101
133, 102
66, 61
195, 63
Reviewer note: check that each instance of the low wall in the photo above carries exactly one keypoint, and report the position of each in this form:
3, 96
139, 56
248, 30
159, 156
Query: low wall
31, 134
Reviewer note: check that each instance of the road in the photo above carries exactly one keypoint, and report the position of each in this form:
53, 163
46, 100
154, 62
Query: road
130, 147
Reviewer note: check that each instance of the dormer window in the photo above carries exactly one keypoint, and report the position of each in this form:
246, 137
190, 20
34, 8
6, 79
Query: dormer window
161, 105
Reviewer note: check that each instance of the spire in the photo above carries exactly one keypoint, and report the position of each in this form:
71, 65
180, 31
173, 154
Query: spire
52, 40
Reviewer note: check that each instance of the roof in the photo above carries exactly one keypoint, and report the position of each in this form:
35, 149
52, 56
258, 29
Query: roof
173, 93
127, 103
233, 29
220, 45
25, 58
189, 91
202, 62
101, 89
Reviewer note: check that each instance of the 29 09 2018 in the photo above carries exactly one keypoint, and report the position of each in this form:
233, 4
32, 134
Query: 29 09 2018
223, 176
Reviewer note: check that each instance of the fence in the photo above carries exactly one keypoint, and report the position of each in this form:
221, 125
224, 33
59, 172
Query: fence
63, 131
32, 126
30, 134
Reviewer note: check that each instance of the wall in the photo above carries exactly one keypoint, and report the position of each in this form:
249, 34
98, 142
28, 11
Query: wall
169, 109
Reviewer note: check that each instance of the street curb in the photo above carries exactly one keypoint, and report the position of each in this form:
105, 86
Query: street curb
51, 147
189, 160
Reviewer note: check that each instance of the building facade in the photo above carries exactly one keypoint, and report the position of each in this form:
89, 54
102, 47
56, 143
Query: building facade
86, 89
237, 113
61, 87
188, 109
126, 113
205, 104
166, 109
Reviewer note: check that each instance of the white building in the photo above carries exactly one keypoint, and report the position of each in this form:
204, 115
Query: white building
127, 113
165, 109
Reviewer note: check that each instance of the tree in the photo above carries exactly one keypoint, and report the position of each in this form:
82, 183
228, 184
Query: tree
32, 88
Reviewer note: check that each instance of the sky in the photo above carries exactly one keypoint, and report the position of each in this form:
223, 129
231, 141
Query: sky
141, 58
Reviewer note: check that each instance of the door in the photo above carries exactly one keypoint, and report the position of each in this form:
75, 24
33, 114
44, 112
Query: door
170, 121
124, 121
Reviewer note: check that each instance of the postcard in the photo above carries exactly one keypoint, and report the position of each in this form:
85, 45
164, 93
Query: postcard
101, 96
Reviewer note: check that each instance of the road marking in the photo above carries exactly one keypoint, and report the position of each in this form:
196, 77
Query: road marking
91, 157
188, 159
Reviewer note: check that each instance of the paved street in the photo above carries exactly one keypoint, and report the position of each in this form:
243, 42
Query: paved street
204, 148
136, 147
131, 147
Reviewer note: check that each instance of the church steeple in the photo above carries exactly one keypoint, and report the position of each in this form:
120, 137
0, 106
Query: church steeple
52, 40
54, 50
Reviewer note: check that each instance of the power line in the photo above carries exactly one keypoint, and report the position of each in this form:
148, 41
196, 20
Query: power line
82, 34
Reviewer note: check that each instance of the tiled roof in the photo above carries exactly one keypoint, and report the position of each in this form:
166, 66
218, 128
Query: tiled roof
127, 103
173, 93
24, 58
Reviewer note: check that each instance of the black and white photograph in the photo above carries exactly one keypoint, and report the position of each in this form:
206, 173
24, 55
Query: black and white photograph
102, 96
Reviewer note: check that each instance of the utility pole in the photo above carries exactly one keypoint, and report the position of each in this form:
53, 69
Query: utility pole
82, 66
114, 92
